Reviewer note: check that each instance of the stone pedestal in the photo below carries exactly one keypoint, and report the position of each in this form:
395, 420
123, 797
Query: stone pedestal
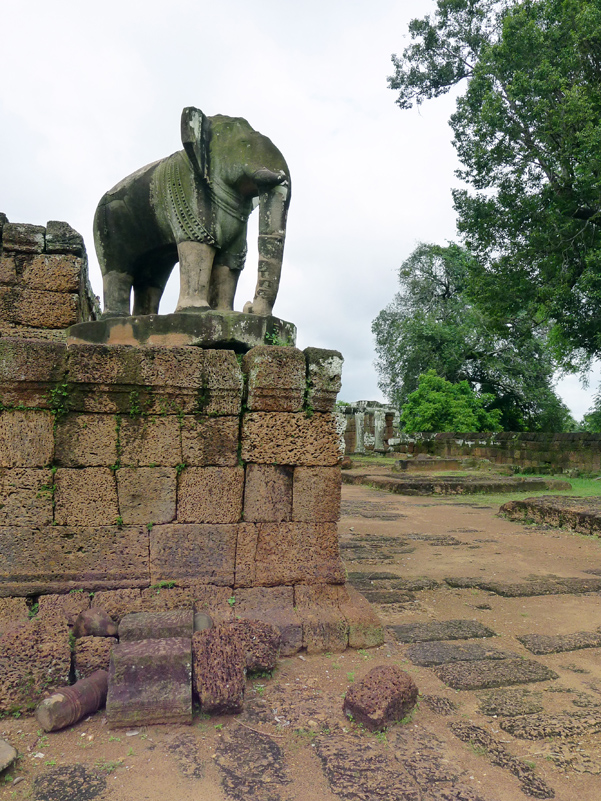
167, 478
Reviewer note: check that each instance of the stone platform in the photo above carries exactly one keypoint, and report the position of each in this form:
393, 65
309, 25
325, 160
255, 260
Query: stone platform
205, 328
579, 514
451, 485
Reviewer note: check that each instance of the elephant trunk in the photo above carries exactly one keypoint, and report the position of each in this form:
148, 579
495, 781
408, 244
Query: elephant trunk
273, 210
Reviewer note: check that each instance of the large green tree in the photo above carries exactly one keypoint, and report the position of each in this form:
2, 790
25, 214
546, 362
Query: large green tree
435, 322
527, 130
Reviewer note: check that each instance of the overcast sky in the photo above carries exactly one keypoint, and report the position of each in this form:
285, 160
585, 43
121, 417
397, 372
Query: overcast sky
93, 91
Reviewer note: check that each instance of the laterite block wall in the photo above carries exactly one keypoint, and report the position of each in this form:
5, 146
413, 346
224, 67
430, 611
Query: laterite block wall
154, 478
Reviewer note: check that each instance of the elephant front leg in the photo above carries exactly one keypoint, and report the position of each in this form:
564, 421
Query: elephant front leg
195, 267
116, 290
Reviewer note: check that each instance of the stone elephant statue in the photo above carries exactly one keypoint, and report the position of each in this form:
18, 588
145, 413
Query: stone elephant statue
193, 207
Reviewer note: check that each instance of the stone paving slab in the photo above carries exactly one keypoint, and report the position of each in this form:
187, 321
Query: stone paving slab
441, 630
509, 703
527, 589
541, 726
432, 653
452, 485
558, 643
484, 674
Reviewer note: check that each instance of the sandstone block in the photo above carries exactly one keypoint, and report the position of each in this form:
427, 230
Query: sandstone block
61, 238
210, 441
37, 308
150, 441
164, 597
260, 641
94, 622
365, 627
91, 654
213, 600
146, 494
24, 237
210, 495
274, 605
269, 554
56, 559
222, 384
290, 439
267, 493
324, 626
53, 272
118, 602
157, 625
86, 497
316, 494
8, 270
324, 378
86, 440
219, 670
26, 438
30, 370
25, 497
276, 379
193, 554
150, 681
13, 611
65, 607
35, 658
386, 695
8, 755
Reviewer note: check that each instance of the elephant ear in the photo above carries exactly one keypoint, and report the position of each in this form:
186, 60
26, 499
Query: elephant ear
196, 134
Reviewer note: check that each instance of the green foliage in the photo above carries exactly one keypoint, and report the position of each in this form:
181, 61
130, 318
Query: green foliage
527, 130
436, 322
592, 419
438, 405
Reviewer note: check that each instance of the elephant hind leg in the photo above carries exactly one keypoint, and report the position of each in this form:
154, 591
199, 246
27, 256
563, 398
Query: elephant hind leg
224, 281
147, 299
117, 291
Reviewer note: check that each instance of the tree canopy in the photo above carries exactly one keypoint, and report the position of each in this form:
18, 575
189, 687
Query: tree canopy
527, 130
435, 322
439, 405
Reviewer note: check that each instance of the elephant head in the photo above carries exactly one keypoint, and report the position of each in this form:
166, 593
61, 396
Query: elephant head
193, 206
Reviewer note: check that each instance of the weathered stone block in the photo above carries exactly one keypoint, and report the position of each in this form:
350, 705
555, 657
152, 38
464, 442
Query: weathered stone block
267, 494
210, 495
219, 670
91, 654
56, 559
65, 607
61, 238
164, 597
274, 605
386, 695
8, 270
290, 439
53, 272
86, 440
94, 622
215, 601
146, 494
276, 379
25, 497
37, 308
86, 497
260, 641
193, 554
324, 378
150, 681
30, 370
210, 441
324, 626
316, 494
13, 611
222, 384
26, 438
150, 441
118, 602
24, 237
157, 625
269, 554
35, 658
365, 627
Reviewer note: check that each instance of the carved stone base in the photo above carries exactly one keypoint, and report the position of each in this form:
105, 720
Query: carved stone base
206, 329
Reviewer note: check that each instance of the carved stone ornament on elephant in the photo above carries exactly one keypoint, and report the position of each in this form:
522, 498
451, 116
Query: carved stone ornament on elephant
193, 207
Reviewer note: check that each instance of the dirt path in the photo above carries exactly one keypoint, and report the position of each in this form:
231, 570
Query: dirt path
539, 736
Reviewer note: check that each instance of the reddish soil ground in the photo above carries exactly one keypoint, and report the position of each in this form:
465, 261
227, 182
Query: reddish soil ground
527, 739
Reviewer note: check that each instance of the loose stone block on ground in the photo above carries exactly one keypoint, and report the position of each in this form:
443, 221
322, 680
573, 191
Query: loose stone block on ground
386, 695
219, 670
